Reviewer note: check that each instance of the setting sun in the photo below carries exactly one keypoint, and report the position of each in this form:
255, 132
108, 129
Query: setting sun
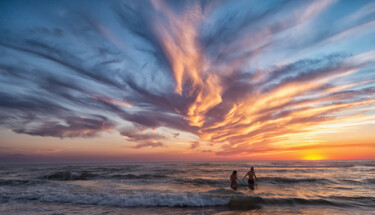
313, 157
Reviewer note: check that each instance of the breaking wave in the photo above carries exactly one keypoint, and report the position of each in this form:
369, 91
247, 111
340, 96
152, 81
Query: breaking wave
69, 175
134, 200
218, 197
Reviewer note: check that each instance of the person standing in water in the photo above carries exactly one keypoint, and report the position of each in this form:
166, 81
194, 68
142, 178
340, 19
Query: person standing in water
233, 180
252, 178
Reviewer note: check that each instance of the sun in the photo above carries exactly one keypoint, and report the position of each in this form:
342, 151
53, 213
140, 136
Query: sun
312, 157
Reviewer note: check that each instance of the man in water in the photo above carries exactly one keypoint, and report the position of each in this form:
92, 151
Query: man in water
252, 178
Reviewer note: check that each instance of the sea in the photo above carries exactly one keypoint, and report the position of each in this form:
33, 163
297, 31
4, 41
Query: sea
283, 187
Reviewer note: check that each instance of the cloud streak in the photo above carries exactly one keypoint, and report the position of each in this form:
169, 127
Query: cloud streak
151, 144
221, 71
72, 127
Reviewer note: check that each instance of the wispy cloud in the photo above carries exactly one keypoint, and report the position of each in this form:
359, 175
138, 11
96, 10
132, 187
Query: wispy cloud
71, 127
208, 68
151, 144
140, 135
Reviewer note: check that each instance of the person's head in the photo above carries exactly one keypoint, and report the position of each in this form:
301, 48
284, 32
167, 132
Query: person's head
252, 169
234, 172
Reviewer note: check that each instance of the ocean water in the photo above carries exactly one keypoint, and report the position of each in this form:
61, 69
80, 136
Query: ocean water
283, 187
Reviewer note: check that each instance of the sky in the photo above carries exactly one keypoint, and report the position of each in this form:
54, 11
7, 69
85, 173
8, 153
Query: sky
186, 80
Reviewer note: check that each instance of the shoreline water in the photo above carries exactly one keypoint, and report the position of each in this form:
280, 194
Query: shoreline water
188, 188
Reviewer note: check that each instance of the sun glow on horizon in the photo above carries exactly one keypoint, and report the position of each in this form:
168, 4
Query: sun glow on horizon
313, 157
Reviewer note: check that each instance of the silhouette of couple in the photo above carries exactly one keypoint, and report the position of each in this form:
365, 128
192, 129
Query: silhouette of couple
250, 181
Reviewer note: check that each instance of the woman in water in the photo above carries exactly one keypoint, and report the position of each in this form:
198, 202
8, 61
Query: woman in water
233, 180
252, 177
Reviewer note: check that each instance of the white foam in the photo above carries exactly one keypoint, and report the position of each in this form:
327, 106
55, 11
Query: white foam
137, 199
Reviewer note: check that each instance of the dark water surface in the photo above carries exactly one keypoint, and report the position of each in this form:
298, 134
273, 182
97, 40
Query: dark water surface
283, 187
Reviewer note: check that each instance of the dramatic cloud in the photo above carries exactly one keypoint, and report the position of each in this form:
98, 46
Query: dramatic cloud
152, 144
74, 127
140, 135
245, 76
194, 145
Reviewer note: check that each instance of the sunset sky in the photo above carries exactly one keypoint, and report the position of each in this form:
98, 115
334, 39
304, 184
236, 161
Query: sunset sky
186, 80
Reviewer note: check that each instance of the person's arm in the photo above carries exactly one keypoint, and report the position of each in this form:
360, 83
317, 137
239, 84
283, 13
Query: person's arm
246, 175
255, 176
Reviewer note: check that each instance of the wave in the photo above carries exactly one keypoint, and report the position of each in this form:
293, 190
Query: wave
135, 200
170, 171
245, 203
370, 181
278, 180
367, 198
200, 181
84, 175
293, 170
132, 176
70, 175
122, 168
364, 201
369, 163
272, 180
219, 197
19, 182
354, 182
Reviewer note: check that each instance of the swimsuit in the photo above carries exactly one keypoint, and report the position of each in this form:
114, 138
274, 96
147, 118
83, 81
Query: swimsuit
251, 181
233, 182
